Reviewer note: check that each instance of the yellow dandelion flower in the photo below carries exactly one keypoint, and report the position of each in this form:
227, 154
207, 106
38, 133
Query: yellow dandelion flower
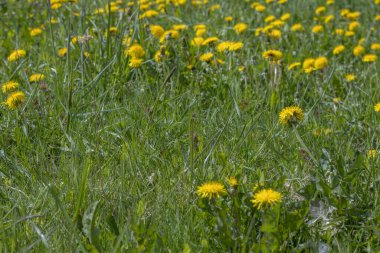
285, 16
260, 8
267, 28
9, 86
353, 26
353, 15
328, 19
228, 19
156, 30
232, 181
199, 27
112, 30
240, 28
291, 115
358, 50
207, 57
197, 41
179, 2
200, 32
339, 49
265, 198
375, 46
258, 31
74, 40
169, 34
215, 7
135, 51
53, 21
361, 41
339, 31
269, 19
210, 40
36, 78
308, 65
56, 6
223, 46
62, 52
272, 55
320, 62
211, 190
372, 153
350, 77
35, 32
219, 61
17, 54
254, 4
99, 11
235, 46
149, 14
317, 29
349, 33
377, 107
161, 54
277, 23
294, 65
369, 58
344, 12
158, 56
297, 27
135, 62
275, 33
179, 27
14, 100
320, 10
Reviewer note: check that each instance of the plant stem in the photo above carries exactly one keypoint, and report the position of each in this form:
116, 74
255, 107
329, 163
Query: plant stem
304, 146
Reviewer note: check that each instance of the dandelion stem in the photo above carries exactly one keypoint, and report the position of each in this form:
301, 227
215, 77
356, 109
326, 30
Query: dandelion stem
304, 146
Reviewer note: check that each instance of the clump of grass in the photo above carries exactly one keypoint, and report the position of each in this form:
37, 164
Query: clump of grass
117, 115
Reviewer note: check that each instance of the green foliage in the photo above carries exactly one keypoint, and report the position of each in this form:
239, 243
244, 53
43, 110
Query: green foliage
103, 157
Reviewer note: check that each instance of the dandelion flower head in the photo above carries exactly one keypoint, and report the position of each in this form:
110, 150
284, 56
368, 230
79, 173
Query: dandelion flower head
377, 107
273, 55
14, 100
369, 58
135, 51
62, 52
135, 62
207, 57
232, 181
320, 62
9, 86
17, 54
266, 197
36, 78
211, 190
291, 115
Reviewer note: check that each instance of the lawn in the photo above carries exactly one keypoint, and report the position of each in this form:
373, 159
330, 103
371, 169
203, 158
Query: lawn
190, 126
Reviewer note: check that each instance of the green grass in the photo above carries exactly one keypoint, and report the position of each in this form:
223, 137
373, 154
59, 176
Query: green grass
108, 158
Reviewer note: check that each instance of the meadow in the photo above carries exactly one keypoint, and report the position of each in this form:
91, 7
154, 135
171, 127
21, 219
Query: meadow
190, 126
